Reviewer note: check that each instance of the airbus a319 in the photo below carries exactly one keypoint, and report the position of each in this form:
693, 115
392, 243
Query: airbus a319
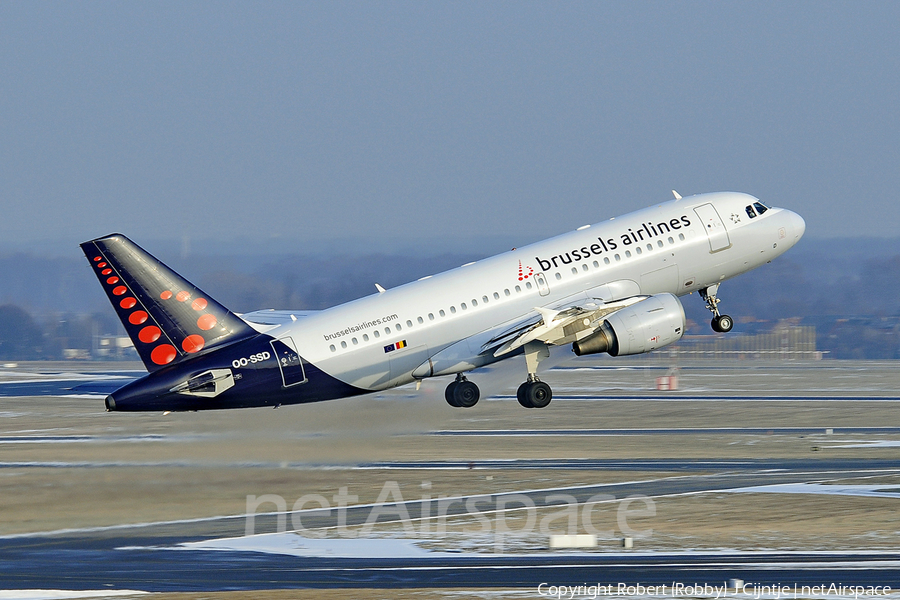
610, 287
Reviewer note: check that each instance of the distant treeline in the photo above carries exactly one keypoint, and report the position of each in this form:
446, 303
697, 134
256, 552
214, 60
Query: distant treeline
852, 296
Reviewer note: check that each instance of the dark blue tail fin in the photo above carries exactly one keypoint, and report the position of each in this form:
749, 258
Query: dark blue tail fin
167, 317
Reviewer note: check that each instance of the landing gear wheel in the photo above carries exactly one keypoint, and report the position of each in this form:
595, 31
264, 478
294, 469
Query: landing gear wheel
521, 395
450, 394
466, 394
722, 323
540, 394
534, 394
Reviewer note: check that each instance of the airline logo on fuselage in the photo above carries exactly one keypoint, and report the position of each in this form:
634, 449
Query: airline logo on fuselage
525, 272
644, 232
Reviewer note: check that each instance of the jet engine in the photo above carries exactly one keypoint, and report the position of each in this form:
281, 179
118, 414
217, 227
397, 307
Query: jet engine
644, 326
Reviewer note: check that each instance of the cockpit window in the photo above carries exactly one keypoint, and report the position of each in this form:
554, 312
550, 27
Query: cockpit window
760, 207
750, 212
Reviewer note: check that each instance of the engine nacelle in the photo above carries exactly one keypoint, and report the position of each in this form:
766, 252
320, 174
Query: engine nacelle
647, 325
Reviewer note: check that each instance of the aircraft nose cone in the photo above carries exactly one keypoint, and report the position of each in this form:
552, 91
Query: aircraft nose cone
797, 225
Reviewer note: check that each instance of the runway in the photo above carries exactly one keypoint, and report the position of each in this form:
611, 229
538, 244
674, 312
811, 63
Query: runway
208, 555
724, 480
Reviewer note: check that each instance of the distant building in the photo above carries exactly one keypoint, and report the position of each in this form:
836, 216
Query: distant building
786, 340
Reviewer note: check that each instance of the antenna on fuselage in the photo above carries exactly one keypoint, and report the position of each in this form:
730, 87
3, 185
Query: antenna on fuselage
677, 195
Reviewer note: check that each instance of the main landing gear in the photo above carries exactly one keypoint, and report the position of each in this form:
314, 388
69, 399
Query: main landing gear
720, 323
534, 393
462, 393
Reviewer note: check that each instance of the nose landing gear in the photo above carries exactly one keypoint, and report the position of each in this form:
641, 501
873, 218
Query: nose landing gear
719, 323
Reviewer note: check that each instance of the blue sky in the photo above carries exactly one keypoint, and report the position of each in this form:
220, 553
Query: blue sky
437, 125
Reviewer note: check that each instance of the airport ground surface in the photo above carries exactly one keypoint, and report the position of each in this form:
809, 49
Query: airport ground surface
771, 472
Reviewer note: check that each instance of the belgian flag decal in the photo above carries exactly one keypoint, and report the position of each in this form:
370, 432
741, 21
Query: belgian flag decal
395, 346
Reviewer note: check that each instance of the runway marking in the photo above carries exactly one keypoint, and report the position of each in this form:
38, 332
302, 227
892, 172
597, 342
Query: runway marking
63, 594
671, 431
705, 398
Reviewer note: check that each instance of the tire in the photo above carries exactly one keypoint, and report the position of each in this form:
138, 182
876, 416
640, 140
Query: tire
540, 394
522, 395
715, 325
450, 394
726, 323
466, 394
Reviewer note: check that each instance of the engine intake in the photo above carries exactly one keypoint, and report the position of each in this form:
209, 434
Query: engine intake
647, 325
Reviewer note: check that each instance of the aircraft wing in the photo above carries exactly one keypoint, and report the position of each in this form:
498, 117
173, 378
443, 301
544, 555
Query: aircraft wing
557, 326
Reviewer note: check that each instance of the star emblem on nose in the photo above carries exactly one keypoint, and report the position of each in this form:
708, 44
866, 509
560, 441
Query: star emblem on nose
735, 218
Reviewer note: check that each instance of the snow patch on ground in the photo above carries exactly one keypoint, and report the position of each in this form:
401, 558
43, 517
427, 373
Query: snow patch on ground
872, 491
63, 594
297, 545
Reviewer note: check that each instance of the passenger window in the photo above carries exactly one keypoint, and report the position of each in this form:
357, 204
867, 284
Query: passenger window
442, 313
659, 243
431, 316
463, 306
628, 254
638, 250
376, 333
574, 271
496, 296
474, 302
671, 241
355, 341
681, 236
332, 347
484, 299
585, 267
506, 292
397, 327
528, 285
387, 331
618, 258
420, 320
409, 323
606, 260
558, 276
453, 310
596, 265
343, 344
649, 246
518, 289
365, 337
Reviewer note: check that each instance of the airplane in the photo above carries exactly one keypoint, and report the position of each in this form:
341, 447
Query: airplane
612, 287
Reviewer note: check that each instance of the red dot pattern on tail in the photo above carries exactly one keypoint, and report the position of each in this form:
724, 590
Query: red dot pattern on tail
164, 353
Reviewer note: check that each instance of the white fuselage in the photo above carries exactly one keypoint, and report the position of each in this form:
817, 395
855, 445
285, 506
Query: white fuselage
438, 325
